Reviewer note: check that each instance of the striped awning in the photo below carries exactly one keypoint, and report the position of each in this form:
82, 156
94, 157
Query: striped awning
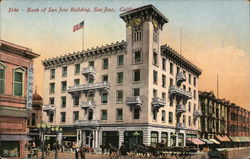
222, 138
215, 141
207, 141
195, 141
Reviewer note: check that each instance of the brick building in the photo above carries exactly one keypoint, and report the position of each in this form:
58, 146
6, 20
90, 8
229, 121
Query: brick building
16, 77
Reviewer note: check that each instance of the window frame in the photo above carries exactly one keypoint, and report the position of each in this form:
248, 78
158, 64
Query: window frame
75, 71
2, 67
22, 71
117, 78
63, 114
118, 60
104, 110
117, 114
52, 76
134, 75
64, 72
117, 96
103, 63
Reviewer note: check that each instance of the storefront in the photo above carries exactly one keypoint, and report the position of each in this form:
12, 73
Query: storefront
110, 137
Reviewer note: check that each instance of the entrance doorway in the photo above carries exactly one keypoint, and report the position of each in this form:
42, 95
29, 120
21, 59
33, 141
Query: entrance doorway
133, 137
110, 137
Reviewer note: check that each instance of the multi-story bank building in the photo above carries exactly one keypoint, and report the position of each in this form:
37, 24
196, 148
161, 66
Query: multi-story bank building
135, 91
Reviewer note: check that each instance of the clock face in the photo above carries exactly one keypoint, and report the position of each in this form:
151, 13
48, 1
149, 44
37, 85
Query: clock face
137, 21
155, 23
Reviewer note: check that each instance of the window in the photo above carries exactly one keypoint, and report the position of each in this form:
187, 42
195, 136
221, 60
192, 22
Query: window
171, 82
189, 78
76, 100
137, 75
171, 102
136, 114
178, 69
189, 121
154, 93
105, 63
76, 82
120, 60
189, 89
119, 96
104, 114
195, 81
2, 79
77, 69
163, 115
163, 96
119, 114
120, 77
184, 119
64, 71
104, 97
163, 81
137, 36
194, 94
105, 78
189, 106
154, 115
137, 57
52, 88
18, 82
91, 79
33, 119
63, 101
154, 138
10, 149
91, 64
171, 68
170, 119
164, 64
184, 87
75, 115
155, 74
155, 61
64, 86
63, 117
194, 107
52, 100
51, 117
52, 73
136, 92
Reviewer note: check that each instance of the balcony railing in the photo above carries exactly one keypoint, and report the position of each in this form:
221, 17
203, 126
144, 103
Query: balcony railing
180, 109
197, 113
180, 77
135, 101
85, 87
87, 123
158, 102
49, 108
180, 125
88, 70
87, 105
174, 90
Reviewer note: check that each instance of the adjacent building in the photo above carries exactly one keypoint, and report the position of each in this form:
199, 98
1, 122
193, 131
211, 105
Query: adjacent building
16, 79
133, 91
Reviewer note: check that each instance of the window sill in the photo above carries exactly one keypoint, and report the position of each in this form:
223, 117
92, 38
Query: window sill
52, 78
63, 107
75, 105
136, 82
137, 63
119, 102
156, 65
76, 74
120, 66
119, 84
119, 121
64, 76
103, 121
104, 103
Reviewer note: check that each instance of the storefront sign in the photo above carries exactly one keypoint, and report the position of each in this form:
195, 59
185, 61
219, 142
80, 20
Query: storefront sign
29, 88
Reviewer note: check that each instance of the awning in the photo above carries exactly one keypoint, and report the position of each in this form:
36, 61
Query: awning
15, 138
235, 139
195, 141
207, 141
215, 141
222, 138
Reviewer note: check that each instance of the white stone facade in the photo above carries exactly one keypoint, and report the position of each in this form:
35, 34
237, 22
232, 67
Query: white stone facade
143, 30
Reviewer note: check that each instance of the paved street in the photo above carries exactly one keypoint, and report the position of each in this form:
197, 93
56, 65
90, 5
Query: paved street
242, 153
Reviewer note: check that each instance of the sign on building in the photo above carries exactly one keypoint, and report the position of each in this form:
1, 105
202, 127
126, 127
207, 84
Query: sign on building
29, 88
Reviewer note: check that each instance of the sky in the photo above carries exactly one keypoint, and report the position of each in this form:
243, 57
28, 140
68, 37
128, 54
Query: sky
215, 34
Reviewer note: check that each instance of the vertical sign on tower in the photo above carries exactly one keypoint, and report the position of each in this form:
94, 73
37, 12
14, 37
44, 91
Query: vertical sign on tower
29, 88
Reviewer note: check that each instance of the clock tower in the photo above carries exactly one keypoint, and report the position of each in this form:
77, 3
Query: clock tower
143, 30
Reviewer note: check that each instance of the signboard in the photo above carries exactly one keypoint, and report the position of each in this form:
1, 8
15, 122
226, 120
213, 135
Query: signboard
29, 88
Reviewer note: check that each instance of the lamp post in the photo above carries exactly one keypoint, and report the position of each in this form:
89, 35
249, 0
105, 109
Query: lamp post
43, 128
56, 129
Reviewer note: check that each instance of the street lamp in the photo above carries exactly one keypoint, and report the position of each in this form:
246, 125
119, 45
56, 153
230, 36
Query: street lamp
43, 128
56, 129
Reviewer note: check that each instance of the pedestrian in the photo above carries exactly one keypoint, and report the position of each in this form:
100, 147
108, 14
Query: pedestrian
76, 153
123, 150
82, 152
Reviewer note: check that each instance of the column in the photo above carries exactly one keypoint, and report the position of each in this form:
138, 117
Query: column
121, 137
93, 138
169, 139
77, 137
146, 137
184, 138
159, 136
83, 137
177, 139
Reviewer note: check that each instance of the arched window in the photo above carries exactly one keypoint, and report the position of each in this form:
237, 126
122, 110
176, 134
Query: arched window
2, 78
18, 81
33, 119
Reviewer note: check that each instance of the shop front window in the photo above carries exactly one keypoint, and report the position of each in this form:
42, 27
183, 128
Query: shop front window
154, 138
10, 149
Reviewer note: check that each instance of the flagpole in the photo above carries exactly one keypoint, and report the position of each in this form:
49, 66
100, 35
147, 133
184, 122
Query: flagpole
83, 38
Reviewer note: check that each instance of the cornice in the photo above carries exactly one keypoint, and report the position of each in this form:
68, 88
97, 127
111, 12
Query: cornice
167, 51
80, 56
